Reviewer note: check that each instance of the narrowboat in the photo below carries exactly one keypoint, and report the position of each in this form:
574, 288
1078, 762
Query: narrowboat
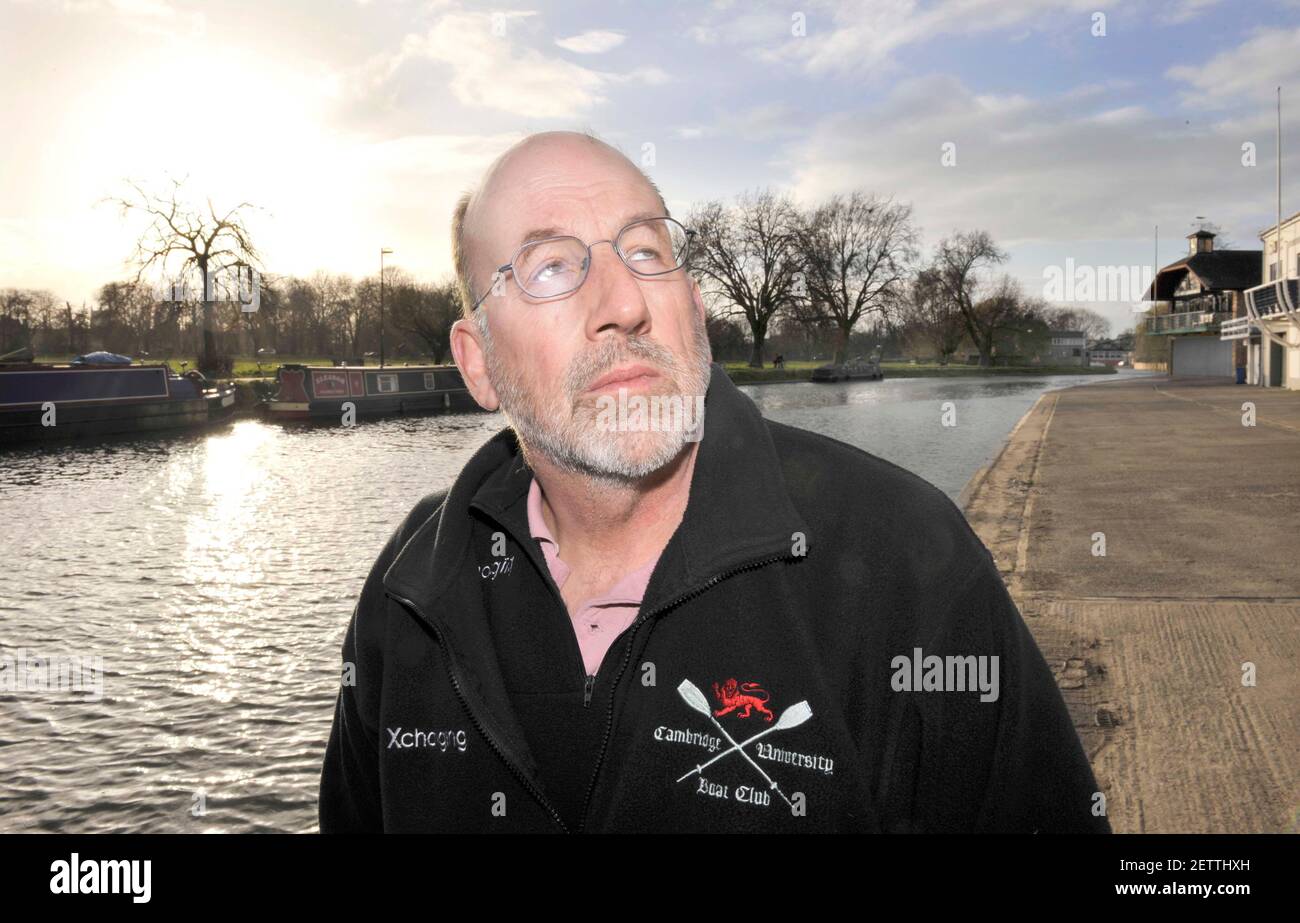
89, 397
308, 392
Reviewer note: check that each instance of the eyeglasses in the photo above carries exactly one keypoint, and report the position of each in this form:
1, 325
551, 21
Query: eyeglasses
557, 266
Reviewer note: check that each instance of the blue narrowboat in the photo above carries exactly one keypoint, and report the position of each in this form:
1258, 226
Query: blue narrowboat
90, 397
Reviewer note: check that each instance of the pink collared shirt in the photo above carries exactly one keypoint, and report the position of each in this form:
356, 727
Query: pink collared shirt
601, 619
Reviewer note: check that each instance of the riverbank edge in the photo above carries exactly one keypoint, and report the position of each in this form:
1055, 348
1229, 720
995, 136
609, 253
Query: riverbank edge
249, 392
977, 479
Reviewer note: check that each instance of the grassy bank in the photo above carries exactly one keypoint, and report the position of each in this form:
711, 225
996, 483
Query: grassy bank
802, 371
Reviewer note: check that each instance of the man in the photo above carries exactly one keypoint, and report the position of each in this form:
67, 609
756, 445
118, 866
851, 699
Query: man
608, 625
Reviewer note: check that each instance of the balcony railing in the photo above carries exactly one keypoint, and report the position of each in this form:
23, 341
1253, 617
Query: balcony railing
1236, 329
1187, 322
1265, 301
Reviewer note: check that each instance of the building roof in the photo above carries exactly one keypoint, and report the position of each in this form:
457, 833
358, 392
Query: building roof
1217, 270
1065, 333
1272, 228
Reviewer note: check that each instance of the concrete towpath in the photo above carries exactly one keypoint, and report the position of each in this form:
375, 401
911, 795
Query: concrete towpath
1152, 541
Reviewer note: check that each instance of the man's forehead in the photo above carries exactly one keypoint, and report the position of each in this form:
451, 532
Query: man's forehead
564, 186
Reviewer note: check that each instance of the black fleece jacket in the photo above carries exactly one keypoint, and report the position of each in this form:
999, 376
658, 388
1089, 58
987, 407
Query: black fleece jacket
814, 652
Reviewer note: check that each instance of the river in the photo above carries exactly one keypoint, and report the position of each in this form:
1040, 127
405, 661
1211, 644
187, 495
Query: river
214, 575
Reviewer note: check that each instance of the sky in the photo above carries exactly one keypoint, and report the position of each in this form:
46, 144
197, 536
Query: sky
1069, 130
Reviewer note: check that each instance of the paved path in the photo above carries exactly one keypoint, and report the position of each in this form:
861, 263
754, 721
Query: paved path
1199, 580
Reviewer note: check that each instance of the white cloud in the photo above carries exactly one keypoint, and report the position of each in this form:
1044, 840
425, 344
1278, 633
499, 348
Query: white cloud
1180, 11
847, 36
150, 17
1251, 71
1055, 169
492, 64
643, 76
593, 41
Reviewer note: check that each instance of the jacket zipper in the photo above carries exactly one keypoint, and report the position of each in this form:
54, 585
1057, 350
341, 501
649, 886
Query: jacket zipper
589, 680
627, 656
482, 729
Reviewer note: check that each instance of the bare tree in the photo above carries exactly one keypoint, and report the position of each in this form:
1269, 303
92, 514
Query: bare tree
960, 260
855, 251
1067, 317
354, 309
1009, 321
204, 241
425, 313
747, 257
930, 317
15, 309
125, 318
305, 321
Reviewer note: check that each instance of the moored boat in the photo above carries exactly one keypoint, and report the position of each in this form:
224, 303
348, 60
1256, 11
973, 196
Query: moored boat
42, 401
320, 392
854, 370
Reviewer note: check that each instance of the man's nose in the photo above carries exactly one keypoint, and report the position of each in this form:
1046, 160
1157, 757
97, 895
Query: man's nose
615, 296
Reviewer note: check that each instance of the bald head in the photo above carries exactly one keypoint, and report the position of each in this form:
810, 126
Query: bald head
554, 179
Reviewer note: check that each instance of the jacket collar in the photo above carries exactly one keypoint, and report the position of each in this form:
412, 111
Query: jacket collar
738, 512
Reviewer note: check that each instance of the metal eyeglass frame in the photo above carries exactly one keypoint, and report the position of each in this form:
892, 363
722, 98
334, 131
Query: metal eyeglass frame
586, 270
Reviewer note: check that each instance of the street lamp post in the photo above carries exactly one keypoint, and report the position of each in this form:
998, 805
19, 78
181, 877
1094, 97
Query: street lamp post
382, 252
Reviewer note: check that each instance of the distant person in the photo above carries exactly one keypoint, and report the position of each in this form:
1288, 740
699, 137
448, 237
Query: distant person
604, 626
779, 361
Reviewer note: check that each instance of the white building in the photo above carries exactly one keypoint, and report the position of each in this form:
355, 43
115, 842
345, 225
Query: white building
1273, 334
1069, 347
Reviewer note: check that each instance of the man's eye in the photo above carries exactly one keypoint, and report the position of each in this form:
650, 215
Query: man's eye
549, 270
643, 253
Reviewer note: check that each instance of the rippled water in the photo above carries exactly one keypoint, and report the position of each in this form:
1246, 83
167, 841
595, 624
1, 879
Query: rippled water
215, 574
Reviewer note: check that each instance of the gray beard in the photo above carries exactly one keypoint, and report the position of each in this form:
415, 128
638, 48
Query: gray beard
567, 434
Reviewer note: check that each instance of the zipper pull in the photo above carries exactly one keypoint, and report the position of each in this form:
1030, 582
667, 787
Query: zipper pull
586, 691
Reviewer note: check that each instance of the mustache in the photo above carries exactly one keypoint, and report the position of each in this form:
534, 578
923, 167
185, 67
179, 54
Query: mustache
612, 353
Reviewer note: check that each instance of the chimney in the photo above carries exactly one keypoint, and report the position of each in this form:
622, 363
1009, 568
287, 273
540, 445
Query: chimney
1201, 241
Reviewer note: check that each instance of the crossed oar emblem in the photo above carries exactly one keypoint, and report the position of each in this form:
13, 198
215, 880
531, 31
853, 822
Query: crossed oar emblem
793, 716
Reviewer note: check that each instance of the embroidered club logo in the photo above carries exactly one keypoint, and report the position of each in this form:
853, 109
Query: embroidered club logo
743, 700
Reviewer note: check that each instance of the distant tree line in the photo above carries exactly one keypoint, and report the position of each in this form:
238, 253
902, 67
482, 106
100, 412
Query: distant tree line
842, 277
325, 315
828, 281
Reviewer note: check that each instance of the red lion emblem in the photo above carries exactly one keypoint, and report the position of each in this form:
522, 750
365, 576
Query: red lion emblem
735, 695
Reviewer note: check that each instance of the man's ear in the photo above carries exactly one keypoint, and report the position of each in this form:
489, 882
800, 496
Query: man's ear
468, 353
698, 297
